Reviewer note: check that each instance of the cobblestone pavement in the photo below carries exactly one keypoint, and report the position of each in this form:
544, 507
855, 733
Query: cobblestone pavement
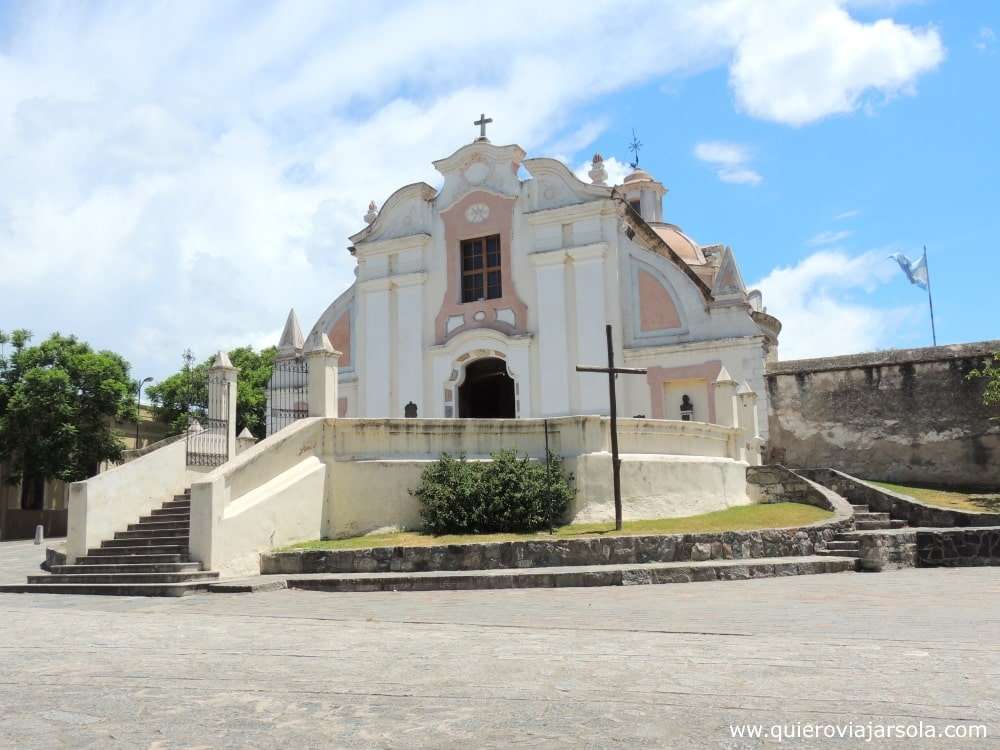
639, 667
21, 558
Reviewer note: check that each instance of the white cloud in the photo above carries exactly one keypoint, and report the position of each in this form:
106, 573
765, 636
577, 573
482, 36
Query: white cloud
178, 175
827, 304
828, 238
986, 39
730, 161
797, 62
844, 215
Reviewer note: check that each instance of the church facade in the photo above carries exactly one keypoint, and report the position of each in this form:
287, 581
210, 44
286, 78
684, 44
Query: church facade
479, 299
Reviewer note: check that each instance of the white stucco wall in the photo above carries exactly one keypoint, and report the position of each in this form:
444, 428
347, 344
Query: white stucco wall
270, 495
343, 477
109, 502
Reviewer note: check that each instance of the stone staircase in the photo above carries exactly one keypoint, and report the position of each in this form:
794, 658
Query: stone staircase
150, 558
845, 545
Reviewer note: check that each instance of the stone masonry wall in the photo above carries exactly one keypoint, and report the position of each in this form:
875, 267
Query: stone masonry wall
730, 545
957, 547
775, 482
900, 416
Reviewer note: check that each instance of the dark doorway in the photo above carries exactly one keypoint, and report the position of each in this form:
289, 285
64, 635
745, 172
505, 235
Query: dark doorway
487, 392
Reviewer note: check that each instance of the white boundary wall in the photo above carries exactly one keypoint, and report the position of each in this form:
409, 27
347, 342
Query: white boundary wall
340, 477
109, 502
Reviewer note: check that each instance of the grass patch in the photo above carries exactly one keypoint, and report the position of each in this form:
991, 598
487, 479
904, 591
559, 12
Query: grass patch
954, 499
740, 518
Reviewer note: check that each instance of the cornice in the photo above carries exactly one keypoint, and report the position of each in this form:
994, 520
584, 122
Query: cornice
395, 245
574, 211
548, 257
586, 253
383, 283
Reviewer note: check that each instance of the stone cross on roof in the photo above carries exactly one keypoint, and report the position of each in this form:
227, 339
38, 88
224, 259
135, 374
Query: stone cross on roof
482, 122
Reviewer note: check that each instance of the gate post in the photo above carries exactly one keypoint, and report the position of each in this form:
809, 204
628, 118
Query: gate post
323, 362
750, 423
727, 411
222, 399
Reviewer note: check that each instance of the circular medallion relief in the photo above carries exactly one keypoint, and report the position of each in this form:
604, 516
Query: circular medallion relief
477, 213
480, 316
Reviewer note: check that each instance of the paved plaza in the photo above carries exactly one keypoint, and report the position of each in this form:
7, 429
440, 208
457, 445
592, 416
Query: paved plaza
636, 667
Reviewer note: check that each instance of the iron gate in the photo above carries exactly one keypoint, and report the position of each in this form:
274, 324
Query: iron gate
287, 394
208, 436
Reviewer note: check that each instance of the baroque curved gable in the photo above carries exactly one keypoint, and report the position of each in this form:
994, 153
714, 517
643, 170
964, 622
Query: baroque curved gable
407, 212
479, 166
553, 185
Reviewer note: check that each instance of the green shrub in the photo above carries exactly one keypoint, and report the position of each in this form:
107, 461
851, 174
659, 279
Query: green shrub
507, 494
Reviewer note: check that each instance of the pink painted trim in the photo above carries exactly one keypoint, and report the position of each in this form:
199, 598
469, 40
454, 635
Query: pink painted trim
340, 337
656, 377
657, 311
458, 228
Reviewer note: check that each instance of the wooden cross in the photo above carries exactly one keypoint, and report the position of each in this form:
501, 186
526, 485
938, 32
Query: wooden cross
616, 464
482, 122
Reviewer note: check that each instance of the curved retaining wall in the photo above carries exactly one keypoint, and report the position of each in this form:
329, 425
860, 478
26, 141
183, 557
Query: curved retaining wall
898, 506
611, 550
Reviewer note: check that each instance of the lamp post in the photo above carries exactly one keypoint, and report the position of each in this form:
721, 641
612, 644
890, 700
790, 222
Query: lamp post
138, 408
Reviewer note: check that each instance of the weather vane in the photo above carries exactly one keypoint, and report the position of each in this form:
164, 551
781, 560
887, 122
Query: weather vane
634, 147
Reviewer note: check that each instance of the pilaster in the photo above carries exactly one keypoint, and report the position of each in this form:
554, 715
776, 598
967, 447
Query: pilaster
553, 347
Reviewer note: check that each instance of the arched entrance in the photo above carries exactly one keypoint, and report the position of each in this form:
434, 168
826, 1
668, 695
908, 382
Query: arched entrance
487, 392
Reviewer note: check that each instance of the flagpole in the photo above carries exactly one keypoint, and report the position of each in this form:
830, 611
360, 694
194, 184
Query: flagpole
930, 300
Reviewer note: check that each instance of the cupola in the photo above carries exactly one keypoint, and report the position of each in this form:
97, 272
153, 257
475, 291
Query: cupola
644, 194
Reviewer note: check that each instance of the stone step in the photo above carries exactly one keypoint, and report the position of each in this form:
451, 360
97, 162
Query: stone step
137, 539
846, 544
871, 517
164, 525
583, 575
132, 559
177, 505
152, 534
52, 580
126, 567
859, 508
856, 552
871, 525
186, 495
161, 514
172, 546
109, 589
896, 523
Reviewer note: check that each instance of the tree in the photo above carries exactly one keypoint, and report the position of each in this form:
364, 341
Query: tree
184, 394
58, 401
181, 396
990, 371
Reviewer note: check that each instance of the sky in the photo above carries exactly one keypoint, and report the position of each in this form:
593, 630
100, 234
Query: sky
177, 175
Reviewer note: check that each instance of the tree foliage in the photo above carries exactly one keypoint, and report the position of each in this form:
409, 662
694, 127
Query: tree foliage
990, 372
58, 401
184, 394
506, 494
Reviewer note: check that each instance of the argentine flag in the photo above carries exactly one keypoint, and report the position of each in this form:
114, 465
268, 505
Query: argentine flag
916, 271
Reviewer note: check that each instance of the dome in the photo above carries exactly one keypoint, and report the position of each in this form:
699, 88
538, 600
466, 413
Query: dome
638, 175
679, 242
